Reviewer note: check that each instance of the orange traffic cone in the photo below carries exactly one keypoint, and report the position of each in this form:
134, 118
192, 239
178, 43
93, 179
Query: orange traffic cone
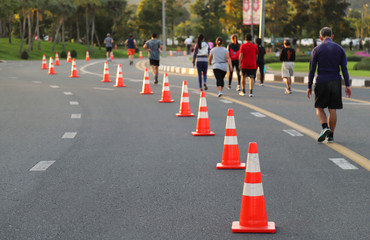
141, 55
44, 64
51, 66
111, 56
106, 76
57, 63
203, 128
119, 78
185, 110
87, 56
115, 46
74, 70
230, 155
253, 217
146, 84
69, 57
185, 53
171, 53
166, 94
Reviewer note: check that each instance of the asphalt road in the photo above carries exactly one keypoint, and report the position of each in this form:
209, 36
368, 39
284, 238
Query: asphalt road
120, 165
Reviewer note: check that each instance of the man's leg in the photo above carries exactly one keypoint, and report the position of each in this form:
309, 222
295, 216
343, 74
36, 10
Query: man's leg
251, 86
155, 74
321, 115
332, 119
243, 85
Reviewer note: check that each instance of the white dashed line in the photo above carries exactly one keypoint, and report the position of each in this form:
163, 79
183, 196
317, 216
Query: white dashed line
54, 86
12, 77
105, 89
75, 116
36, 81
42, 165
225, 101
293, 132
69, 135
73, 103
343, 163
68, 93
258, 114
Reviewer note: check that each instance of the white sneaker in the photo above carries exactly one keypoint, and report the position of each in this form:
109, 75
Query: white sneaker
287, 91
238, 88
261, 84
219, 94
251, 95
241, 93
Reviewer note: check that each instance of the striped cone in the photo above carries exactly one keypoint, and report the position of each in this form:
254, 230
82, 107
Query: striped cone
253, 217
146, 84
106, 76
230, 155
69, 57
141, 55
185, 110
171, 53
111, 56
57, 63
185, 53
166, 94
203, 128
51, 66
87, 56
119, 78
44, 64
74, 70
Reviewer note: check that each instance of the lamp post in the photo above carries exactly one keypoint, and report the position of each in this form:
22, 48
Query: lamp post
262, 22
164, 28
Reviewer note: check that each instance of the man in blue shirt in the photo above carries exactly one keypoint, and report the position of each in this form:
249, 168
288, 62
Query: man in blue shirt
328, 56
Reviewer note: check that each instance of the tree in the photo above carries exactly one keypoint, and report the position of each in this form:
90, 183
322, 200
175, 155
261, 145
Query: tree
175, 10
149, 17
233, 20
277, 15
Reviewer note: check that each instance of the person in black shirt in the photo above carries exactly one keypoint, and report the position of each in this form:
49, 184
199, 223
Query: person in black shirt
233, 49
287, 56
261, 60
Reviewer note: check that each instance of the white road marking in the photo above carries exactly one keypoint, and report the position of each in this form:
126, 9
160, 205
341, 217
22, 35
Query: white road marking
12, 77
54, 86
225, 101
258, 114
42, 166
75, 116
36, 81
293, 132
68, 93
133, 80
356, 103
69, 135
105, 89
343, 163
73, 103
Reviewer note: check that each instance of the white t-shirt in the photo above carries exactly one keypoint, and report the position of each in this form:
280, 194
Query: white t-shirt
188, 41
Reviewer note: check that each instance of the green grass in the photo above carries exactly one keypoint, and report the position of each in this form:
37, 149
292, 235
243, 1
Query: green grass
303, 67
11, 51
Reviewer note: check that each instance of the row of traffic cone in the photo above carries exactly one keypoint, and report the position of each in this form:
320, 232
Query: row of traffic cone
253, 217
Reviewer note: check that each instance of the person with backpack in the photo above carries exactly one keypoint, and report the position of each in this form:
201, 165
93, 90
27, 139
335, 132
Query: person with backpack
200, 55
233, 49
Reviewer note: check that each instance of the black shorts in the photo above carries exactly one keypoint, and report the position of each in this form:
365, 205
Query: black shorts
109, 49
249, 72
220, 76
154, 62
329, 95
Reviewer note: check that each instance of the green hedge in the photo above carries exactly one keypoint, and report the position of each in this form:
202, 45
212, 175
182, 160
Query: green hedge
363, 65
306, 58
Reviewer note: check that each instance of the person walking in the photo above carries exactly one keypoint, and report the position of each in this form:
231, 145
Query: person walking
108, 41
287, 56
131, 47
219, 57
188, 43
248, 64
261, 60
153, 47
328, 57
200, 55
234, 52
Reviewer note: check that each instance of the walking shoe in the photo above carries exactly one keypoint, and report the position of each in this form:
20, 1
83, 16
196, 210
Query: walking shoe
330, 139
251, 95
219, 94
156, 80
324, 133
205, 87
238, 88
287, 91
261, 84
241, 93
200, 89
228, 86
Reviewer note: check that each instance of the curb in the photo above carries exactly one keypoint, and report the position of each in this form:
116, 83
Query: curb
268, 76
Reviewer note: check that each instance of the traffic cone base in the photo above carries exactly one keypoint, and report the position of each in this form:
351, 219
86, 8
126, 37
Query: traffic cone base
203, 134
143, 93
239, 166
166, 101
185, 115
237, 228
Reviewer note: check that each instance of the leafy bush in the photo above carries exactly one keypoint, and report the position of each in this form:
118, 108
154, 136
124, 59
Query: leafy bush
24, 55
363, 65
63, 54
73, 53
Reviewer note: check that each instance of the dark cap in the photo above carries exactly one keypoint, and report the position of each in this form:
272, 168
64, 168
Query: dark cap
287, 42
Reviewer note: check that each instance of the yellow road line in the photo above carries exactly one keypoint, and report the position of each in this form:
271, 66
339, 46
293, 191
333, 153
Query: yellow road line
357, 158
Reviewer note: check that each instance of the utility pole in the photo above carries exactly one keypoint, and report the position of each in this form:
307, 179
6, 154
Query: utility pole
252, 18
164, 28
262, 22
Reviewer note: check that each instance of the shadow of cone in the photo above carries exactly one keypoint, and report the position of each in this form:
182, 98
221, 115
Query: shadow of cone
253, 217
203, 128
230, 155
185, 110
166, 94
119, 78
146, 84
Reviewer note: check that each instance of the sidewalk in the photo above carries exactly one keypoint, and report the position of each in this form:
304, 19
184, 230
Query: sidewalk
183, 65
